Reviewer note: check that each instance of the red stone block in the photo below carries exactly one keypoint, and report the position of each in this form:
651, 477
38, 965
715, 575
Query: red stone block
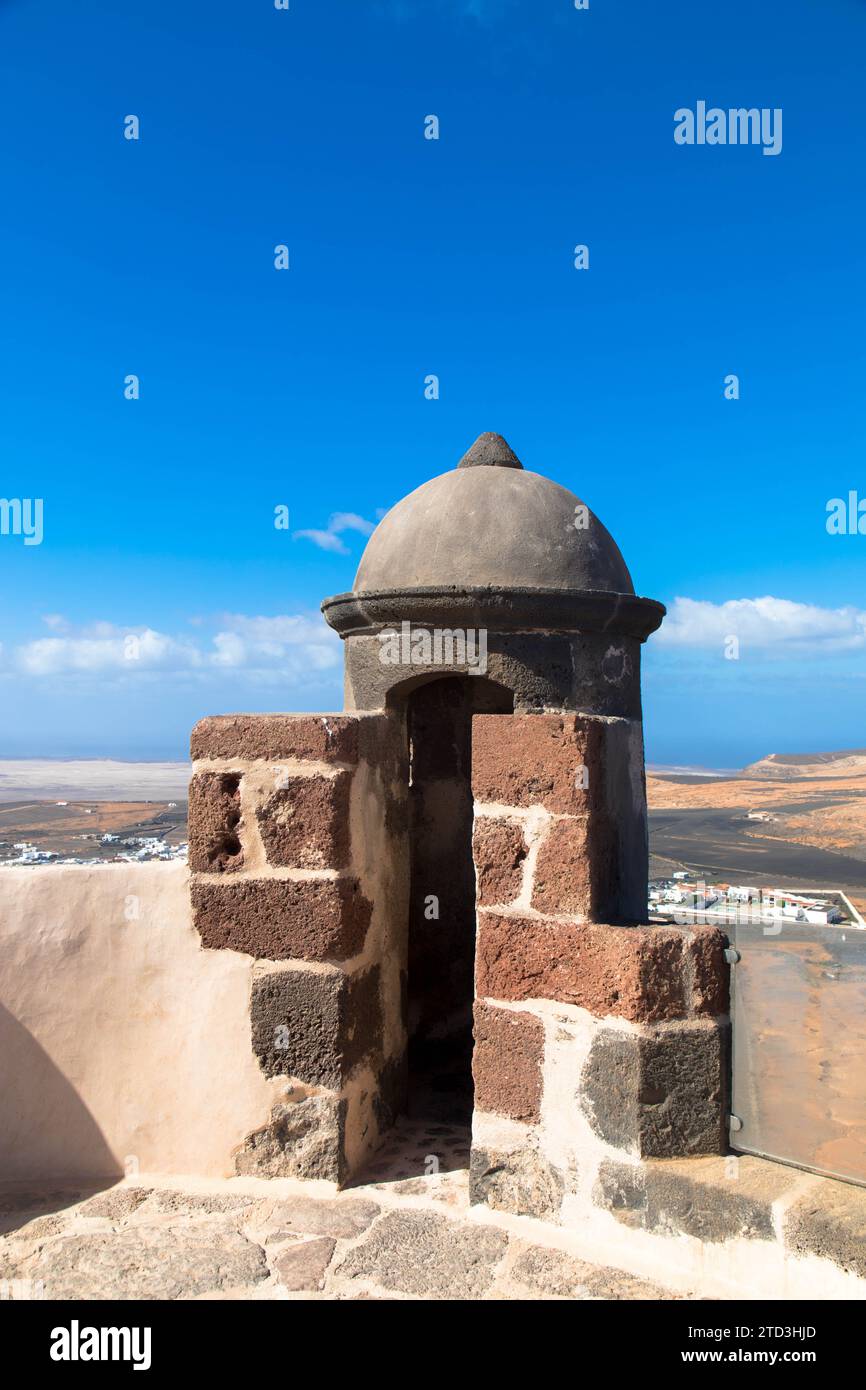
507, 1062
214, 822
537, 759
576, 868
304, 824
331, 738
499, 850
282, 919
710, 972
630, 972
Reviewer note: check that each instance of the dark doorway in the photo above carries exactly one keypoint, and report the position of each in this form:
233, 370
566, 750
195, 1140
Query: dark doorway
442, 897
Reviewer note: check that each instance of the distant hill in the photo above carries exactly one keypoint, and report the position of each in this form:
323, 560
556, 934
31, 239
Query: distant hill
846, 762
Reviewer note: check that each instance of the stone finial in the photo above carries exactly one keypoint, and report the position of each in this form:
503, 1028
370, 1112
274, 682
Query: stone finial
490, 451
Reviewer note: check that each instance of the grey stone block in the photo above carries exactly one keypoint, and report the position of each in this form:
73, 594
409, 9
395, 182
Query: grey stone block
315, 1026
711, 1199
830, 1221
520, 1181
342, 1218
305, 1139
543, 670
149, 1262
303, 1266
661, 1092
555, 1274
425, 1254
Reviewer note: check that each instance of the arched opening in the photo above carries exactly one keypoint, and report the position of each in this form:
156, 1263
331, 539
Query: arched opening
442, 894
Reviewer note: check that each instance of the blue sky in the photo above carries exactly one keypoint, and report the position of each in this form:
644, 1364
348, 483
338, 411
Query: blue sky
305, 388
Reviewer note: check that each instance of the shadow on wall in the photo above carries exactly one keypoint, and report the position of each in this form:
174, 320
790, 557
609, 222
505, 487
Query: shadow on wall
72, 1128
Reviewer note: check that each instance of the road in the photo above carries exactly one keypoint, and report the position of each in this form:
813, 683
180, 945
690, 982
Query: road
715, 844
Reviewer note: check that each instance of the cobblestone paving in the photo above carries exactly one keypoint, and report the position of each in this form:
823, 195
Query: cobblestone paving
404, 1234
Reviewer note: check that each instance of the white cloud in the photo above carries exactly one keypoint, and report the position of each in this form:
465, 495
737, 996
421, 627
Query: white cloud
762, 623
350, 521
337, 524
287, 629
325, 540
289, 646
110, 650
229, 650
299, 639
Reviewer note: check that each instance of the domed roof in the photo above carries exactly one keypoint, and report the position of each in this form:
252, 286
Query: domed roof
491, 523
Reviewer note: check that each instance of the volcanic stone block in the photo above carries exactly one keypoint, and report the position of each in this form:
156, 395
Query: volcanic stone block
426, 1255
305, 823
710, 972
575, 871
661, 1093
544, 1271
303, 1139
331, 738
148, 1262
699, 1197
609, 1087
282, 919
552, 760
303, 1266
683, 1095
518, 1180
315, 1025
340, 1218
507, 1062
830, 1221
214, 817
632, 972
499, 850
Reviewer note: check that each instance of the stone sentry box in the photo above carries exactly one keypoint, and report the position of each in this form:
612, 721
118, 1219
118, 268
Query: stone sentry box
452, 873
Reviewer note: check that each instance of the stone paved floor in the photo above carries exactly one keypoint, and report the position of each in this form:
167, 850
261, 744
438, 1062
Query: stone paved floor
401, 1234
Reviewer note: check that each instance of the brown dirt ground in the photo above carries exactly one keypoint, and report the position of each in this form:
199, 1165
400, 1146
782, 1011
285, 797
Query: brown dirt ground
840, 826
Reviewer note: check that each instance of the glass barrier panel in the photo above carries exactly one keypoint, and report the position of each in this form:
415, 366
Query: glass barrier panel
798, 1014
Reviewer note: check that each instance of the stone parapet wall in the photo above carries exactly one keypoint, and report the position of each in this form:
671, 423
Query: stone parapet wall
738, 1226
124, 1047
299, 859
599, 1037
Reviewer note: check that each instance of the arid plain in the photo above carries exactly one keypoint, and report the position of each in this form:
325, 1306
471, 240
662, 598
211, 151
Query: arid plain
787, 817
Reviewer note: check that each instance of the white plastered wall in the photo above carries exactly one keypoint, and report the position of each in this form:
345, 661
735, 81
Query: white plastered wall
124, 1045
